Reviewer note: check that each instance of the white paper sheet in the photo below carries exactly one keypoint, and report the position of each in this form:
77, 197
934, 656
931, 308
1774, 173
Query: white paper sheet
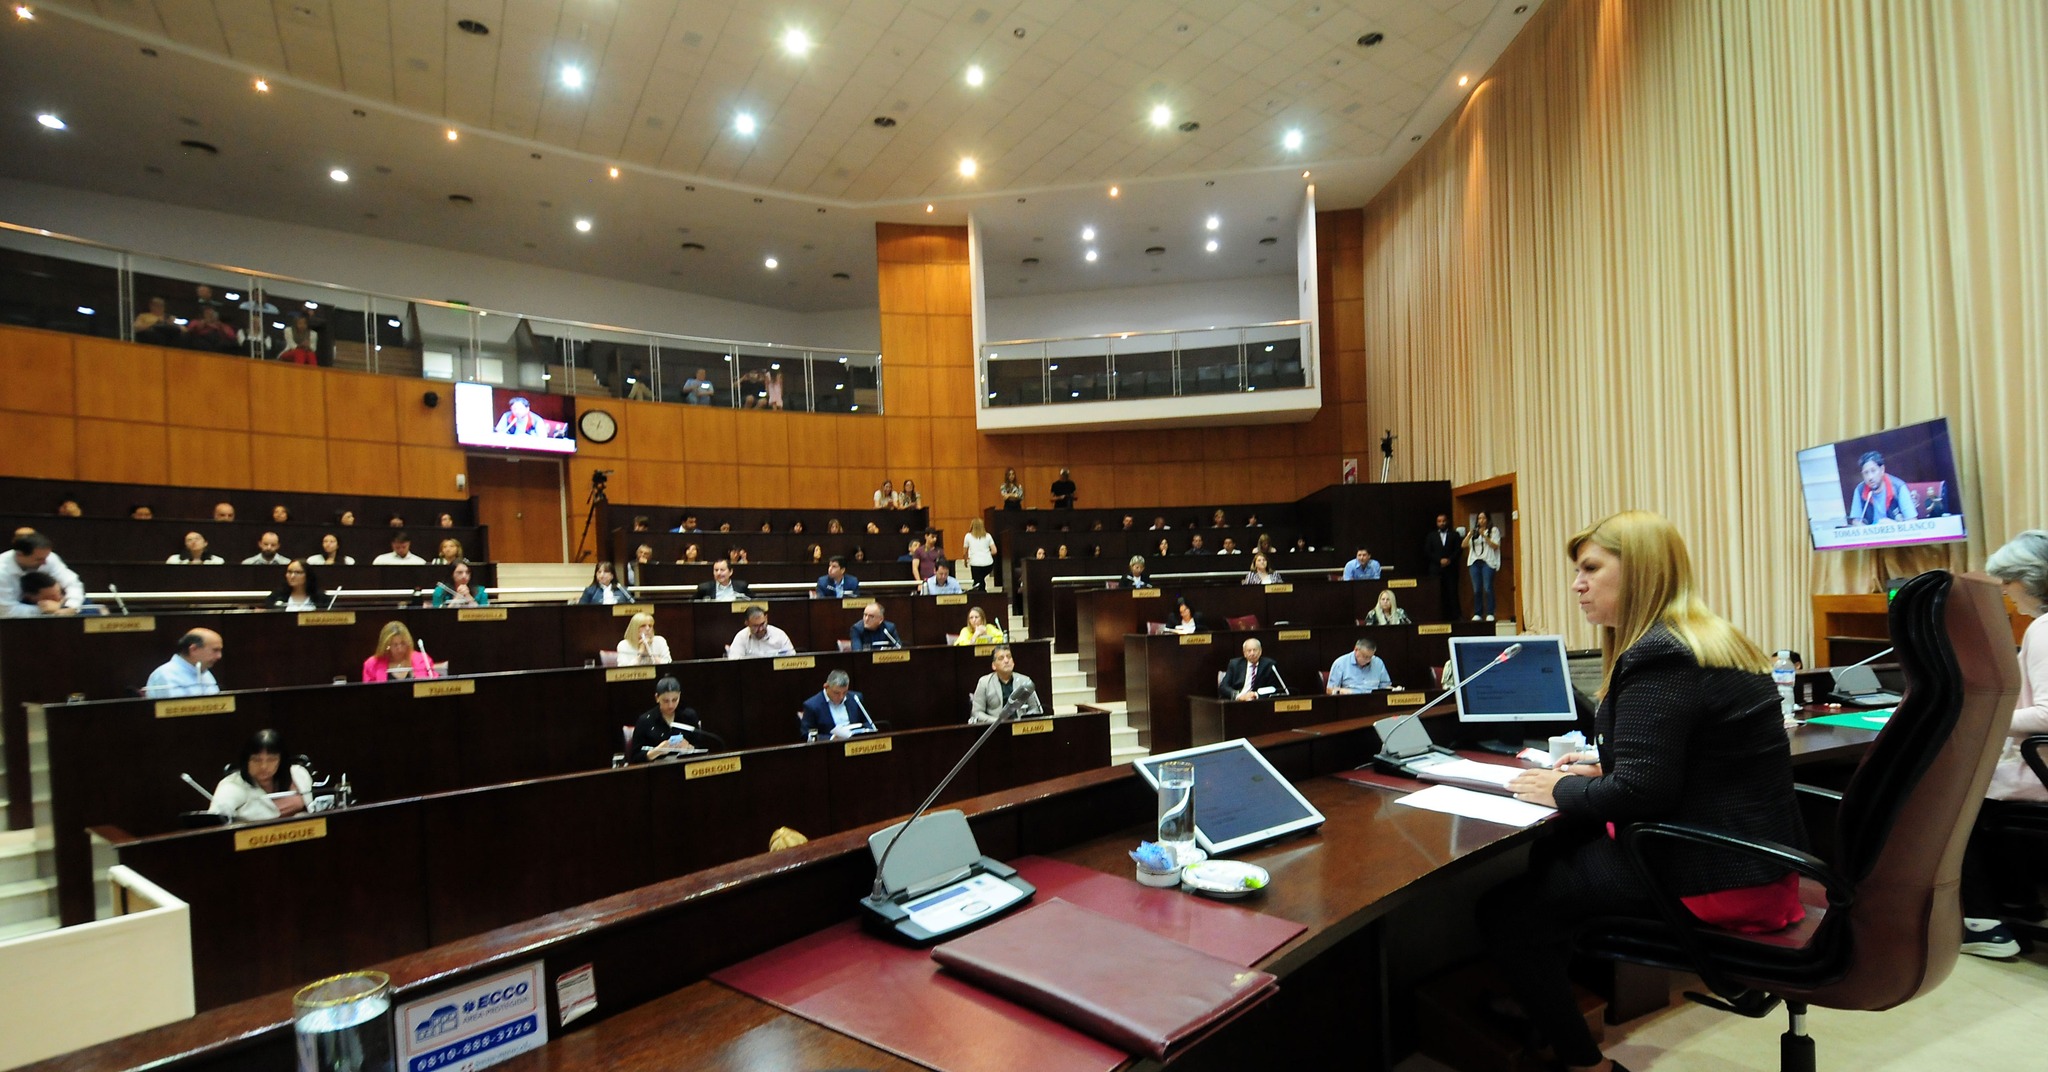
1499, 774
1471, 804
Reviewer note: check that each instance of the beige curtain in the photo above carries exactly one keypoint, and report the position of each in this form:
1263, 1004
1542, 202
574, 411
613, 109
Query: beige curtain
1665, 245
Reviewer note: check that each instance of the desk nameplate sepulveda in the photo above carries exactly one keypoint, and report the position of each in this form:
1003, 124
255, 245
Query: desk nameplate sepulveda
327, 617
711, 768
268, 837
796, 662
204, 705
482, 614
629, 673
1026, 729
422, 690
124, 623
627, 610
892, 657
872, 747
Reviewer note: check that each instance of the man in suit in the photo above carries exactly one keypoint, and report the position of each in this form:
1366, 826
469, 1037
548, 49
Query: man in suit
1001, 684
1439, 558
1135, 576
722, 587
1251, 673
873, 631
836, 712
835, 584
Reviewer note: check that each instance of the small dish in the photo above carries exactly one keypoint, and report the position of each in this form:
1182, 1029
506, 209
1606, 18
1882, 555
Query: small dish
1163, 879
1225, 879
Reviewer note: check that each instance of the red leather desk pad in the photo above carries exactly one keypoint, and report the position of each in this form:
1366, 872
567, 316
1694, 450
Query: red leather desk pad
895, 998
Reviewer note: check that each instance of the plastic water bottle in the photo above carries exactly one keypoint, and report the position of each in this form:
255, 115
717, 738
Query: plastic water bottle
1784, 676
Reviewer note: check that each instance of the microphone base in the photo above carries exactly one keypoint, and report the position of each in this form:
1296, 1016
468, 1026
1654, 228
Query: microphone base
1388, 763
990, 890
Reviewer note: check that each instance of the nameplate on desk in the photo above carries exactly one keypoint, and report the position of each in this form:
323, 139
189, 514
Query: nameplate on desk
711, 768
327, 617
125, 623
269, 837
1401, 582
1293, 634
1404, 699
205, 705
870, 747
1275, 589
1193, 638
950, 601
796, 662
854, 603
1026, 729
741, 606
629, 673
1144, 593
422, 690
892, 657
627, 610
1294, 705
1435, 629
482, 614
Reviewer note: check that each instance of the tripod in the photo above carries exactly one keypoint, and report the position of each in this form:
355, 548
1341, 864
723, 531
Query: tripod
597, 495
1387, 455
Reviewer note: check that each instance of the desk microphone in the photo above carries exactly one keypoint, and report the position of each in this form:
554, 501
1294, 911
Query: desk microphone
197, 788
333, 596
1284, 690
123, 604
1395, 756
1851, 666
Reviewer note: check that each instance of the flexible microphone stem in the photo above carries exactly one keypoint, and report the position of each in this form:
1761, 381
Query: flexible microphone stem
1872, 659
1388, 733
880, 892
333, 597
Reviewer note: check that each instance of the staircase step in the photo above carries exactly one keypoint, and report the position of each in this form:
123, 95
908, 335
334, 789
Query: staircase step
1118, 756
1122, 738
27, 900
11, 931
25, 854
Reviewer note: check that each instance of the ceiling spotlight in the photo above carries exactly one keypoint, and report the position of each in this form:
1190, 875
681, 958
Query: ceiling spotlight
572, 76
1464, 80
771, 263
1089, 256
312, 305
262, 86
1304, 174
975, 75
1214, 222
1292, 140
1113, 191
615, 172
393, 322
453, 136
278, 324
1211, 246
796, 42
1087, 234
232, 296
338, 175
85, 310
743, 123
968, 167
49, 120
1161, 116
928, 208
583, 226
24, 13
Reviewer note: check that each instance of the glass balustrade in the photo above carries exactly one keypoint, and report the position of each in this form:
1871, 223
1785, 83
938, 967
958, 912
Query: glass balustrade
1150, 364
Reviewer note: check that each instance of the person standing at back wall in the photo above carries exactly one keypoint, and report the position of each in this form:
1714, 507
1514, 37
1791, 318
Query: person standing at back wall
1482, 556
1439, 560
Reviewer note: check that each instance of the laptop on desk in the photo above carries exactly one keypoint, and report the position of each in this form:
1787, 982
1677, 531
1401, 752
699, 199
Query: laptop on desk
1859, 685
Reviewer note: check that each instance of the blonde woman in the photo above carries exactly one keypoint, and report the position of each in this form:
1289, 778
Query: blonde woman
642, 646
978, 631
1386, 611
397, 657
980, 550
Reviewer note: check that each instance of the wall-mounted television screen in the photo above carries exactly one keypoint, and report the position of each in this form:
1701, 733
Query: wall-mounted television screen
1886, 489
503, 418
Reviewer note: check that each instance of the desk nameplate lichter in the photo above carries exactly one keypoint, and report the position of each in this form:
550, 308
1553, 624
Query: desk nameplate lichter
1434, 629
629, 673
854, 603
870, 747
327, 617
1026, 729
1278, 589
741, 606
204, 705
1401, 582
1284, 706
482, 614
796, 662
124, 623
951, 601
892, 657
266, 837
711, 768
1144, 593
627, 610
1193, 638
1293, 634
1404, 699
422, 690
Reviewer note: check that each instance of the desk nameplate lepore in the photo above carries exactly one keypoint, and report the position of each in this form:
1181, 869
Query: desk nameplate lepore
123, 623
870, 747
268, 837
204, 705
629, 673
327, 617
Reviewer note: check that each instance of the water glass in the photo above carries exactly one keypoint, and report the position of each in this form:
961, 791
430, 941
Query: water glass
1177, 809
343, 1024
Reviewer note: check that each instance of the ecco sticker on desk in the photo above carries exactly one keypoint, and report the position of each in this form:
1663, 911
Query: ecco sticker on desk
871, 747
951, 601
1401, 582
205, 705
629, 673
122, 623
482, 614
711, 768
1294, 705
1437, 629
1404, 699
1026, 729
474, 1026
269, 837
422, 690
1276, 589
1293, 634
796, 662
327, 617
1193, 638
892, 656
627, 610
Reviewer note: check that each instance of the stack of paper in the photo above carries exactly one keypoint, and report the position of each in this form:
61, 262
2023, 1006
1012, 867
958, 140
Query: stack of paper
1452, 800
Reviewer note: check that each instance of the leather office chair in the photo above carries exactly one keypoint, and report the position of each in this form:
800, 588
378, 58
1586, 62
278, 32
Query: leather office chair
1243, 623
2025, 819
1883, 923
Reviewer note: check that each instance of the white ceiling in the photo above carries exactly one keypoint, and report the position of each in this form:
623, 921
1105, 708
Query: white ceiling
1061, 117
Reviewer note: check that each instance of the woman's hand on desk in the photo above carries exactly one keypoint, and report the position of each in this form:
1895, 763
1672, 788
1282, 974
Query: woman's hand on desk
1535, 786
1583, 764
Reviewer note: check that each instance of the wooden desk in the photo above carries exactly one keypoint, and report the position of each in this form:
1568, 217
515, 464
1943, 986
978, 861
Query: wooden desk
37, 498
1868, 616
1046, 602
160, 576
83, 540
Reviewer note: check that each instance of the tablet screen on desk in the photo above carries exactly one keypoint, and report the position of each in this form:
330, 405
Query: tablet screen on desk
1240, 800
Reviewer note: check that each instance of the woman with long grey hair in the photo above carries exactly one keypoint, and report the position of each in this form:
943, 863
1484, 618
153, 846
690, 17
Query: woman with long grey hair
2000, 879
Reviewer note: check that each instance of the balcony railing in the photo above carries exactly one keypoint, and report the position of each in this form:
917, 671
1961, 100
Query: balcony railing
68, 284
1146, 364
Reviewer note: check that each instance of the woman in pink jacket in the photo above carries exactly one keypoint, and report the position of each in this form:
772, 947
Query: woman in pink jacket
397, 658
1999, 879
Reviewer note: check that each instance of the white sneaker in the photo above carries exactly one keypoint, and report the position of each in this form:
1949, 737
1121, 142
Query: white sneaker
1989, 938
1475, 617
1489, 617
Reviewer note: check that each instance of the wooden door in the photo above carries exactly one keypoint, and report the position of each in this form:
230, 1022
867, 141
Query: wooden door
521, 500
1496, 496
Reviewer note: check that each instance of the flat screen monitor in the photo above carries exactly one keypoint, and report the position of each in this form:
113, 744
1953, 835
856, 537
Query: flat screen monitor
500, 418
1240, 800
1886, 489
1532, 686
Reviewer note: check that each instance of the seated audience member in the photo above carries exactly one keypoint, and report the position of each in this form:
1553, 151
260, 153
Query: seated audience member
604, 588
2001, 873
860, 555
39, 595
223, 511
874, 529
210, 332
260, 786
1362, 568
299, 591
450, 552
394, 522
1159, 525
725, 526
1062, 553
1040, 554
722, 587
979, 630
996, 688
692, 555
925, 557
836, 712
909, 497
1164, 549
833, 526
636, 570
1218, 521
941, 583
1301, 544
737, 556
266, 552
400, 553
1130, 523
330, 553
767, 526
1251, 675
397, 657
668, 728
642, 646
1359, 671
757, 638
155, 326
1265, 545
797, 529
1261, 571
1251, 521
1229, 547
1183, 619
280, 515
190, 671
1386, 611
697, 389
1134, 576
640, 523
195, 553
1195, 546
447, 521
32, 552
886, 497
837, 583
459, 591
68, 507
910, 555
303, 344
814, 555
873, 632
142, 512
345, 517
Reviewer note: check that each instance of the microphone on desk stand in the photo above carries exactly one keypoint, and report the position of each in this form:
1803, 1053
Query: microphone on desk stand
1284, 690
1398, 751
333, 596
197, 788
115, 589
946, 847
1851, 666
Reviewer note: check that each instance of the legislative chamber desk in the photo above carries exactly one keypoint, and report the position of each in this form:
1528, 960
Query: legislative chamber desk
1345, 981
1044, 600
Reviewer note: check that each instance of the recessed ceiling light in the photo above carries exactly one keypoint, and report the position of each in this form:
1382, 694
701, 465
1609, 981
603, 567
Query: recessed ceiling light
1292, 140
1464, 80
1161, 115
85, 310
928, 208
232, 296
1269, 240
50, 120
471, 26
615, 172
312, 305
1211, 247
1089, 256
394, 322
24, 12
744, 124
359, 113
572, 76
796, 42
583, 225
1371, 39
841, 275
975, 75
262, 86
968, 167
1190, 127
771, 263
1154, 251
338, 175
1213, 222
453, 135
1087, 234
1113, 191
461, 199
1304, 174
694, 247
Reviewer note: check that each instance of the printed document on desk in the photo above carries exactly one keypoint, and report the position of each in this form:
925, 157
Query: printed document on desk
1452, 800
1495, 775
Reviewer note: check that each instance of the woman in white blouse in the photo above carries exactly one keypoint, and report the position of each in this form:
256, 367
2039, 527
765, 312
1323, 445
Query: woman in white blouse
981, 554
1482, 558
330, 553
642, 646
260, 787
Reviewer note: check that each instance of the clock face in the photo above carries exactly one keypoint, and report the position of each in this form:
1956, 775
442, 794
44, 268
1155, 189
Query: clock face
598, 426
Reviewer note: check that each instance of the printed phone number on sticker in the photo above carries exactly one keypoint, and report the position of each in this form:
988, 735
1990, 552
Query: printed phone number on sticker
471, 1047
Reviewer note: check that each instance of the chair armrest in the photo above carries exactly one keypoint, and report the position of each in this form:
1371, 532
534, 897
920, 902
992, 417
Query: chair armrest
2035, 751
1814, 790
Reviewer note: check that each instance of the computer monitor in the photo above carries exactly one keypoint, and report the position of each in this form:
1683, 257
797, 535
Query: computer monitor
1534, 686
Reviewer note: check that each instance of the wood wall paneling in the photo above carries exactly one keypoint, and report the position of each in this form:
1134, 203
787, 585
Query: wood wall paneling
295, 463
206, 390
287, 399
710, 435
119, 381
649, 430
38, 369
421, 425
46, 446
123, 452
208, 456
361, 406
